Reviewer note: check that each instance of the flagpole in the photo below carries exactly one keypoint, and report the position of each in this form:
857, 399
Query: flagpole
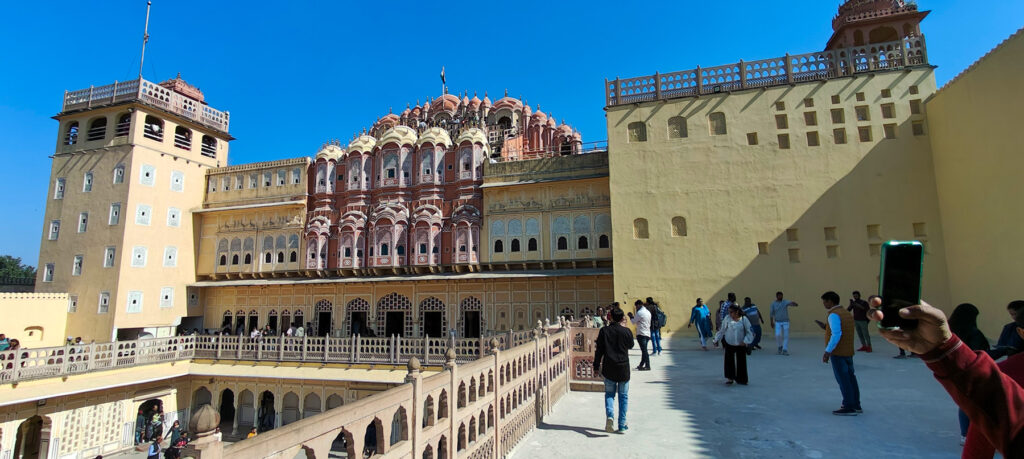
145, 38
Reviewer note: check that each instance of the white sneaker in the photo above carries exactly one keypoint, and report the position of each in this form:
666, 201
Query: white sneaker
609, 425
963, 440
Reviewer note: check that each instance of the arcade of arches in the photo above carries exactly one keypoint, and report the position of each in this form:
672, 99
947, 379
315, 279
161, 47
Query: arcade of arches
470, 307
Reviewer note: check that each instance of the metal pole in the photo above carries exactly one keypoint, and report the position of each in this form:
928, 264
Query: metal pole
145, 38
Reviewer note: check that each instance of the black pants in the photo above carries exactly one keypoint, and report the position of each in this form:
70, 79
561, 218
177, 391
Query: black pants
645, 358
735, 363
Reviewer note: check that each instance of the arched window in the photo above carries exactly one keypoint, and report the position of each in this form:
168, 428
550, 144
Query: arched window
515, 245
640, 228
531, 245
384, 250
602, 242
154, 128
678, 226
293, 257
248, 258
677, 128
400, 250
209, 146
280, 257
563, 243
71, 136
124, 125
97, 129
716, 123
234, 259
268, 258
423, 248
583, 243
183, 138
637, 131
223, 260
499, 247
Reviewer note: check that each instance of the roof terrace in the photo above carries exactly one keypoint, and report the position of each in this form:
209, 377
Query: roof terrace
153, 94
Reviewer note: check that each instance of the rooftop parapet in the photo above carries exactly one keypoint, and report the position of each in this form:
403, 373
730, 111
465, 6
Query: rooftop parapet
779, 71
149, 93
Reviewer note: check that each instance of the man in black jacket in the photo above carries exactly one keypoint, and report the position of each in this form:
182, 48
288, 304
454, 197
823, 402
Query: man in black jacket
611, 359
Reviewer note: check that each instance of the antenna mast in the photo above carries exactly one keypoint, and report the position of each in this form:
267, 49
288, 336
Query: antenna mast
145, 38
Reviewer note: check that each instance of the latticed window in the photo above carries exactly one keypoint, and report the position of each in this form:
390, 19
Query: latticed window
716, 122
637, 131
677, 127
640, 229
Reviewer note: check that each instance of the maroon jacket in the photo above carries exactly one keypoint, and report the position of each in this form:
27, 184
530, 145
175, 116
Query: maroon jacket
977, 445
992, 400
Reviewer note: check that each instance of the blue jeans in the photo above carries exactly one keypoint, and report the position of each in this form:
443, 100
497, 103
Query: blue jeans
843, 369
610, 389
757, 335
656, 340
965, 423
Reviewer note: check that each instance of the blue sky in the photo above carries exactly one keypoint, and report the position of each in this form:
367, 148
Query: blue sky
296, 74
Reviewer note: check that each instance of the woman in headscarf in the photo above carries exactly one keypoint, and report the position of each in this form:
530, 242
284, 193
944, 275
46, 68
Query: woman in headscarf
701, 315
964, 323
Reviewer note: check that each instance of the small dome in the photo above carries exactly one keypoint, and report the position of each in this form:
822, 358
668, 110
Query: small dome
400, 135
538, 118
435, 136
330, 152
362, 144
446, 102
465, 101
527, 110
551, 122
474, 103
508, 102
486, 101
473, 135
565, 129
390, 119
205, 420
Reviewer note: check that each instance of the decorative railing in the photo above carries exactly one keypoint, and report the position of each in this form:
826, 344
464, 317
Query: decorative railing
788, 69
49, 362
149, 93
515, 154
479, 409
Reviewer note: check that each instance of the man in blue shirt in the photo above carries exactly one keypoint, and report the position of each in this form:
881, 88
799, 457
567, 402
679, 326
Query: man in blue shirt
754, 316
779, 316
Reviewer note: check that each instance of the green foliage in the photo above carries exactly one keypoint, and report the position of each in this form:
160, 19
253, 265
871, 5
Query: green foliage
12, 267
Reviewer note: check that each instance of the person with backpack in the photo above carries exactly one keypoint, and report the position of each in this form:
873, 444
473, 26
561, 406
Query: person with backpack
756, 320
657, 322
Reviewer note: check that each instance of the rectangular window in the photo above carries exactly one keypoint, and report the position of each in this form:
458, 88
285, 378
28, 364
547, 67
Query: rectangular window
211, 185
832, 251
637, 131
762, 248
860, 97
177, 181
173, 217
915, 107
784, 141
862, 113
865, 133
792, 234
104, 303
170, 257
839, 135
134, 302
874, 249
280, 178
83, 222
752, 138
808, 102
913, 89
920, 230
838, 116
888, 111
780, 106
794, 255
108, 257
48, 273
917, 127
87, 182
781, 121
811, 118
143, 212
73, 303
716, 121
58, 189
890, 131
226, 184
54, 230
147, 175
76, 266
115, 214
139, 256
886, 93
835, 99
119, 174
830, 233
167, 297
297, 176
812, 139
239, 182
266, 179
252, 181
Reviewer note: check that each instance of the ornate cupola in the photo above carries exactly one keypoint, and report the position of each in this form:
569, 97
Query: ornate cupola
865, 22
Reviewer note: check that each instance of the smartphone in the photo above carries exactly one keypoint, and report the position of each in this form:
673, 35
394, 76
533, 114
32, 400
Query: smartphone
900, 281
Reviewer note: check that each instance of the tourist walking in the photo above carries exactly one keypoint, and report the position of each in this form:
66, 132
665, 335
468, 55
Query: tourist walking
154, 448
701, 316
736, 335
175, 432
611, 360
756, 320
964, 324
642, 320
657, 322
859, 308
839, 351
720, 315
779, 316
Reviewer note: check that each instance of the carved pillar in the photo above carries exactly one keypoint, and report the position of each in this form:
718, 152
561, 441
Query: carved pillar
278, 409
496, 398
453, 391
238, 400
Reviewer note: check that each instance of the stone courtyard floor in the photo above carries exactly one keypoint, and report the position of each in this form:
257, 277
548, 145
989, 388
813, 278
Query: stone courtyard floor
682, 409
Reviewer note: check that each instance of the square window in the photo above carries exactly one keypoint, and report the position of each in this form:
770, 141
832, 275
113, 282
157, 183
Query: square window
890, 131
147, 175
784, 141
915, 107
832, 251
838, 116
839, 135
108, 257
794, 255
913, 89
860, 97
865, 133
780, 106
808, 102
830, 233
115, 214
888, 111
874, 231
886, 93
874, 249
752, 138
177, 181
812, 139
134, 302
917, 127
792, 234
762, 248
862, 113
781, 121
143, 212
920, 230
104, 303
835, 99
811, 118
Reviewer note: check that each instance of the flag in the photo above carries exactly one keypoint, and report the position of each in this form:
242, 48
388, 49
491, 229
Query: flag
442, 75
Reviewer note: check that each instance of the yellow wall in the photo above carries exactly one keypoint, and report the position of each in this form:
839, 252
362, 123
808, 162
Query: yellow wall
974, 123
735, 196
34, 319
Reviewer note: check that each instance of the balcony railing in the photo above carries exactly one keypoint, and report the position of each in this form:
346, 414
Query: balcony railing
513, 154
788, 69
144, 91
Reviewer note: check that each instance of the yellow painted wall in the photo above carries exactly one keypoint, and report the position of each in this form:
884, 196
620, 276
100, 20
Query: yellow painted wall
34, 319
974, 123
281, 220
735, 196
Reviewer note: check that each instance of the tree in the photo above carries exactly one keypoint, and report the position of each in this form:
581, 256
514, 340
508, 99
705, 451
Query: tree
12, 267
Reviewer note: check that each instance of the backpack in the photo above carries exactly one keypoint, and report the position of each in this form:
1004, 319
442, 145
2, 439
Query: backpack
662, 319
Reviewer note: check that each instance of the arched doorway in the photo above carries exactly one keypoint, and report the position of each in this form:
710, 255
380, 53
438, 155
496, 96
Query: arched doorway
433, 319
147, 420
33, 441
202, 396
357, 320
246, 411
471, 317
266, 413
373, 440
394, 315
342, 444
227, 410
322, 318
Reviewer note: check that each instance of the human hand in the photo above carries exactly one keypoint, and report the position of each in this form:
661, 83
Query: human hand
820, 324
824, 358
688, 325
931, 332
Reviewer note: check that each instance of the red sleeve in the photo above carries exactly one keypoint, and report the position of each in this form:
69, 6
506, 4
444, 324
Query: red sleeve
992, 400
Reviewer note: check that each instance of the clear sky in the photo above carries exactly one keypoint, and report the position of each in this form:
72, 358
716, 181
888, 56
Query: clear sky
296, 74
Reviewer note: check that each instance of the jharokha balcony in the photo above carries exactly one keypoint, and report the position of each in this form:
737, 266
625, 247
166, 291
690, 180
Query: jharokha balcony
169, 96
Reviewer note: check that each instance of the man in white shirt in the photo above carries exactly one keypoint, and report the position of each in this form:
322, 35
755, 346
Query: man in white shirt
642, 320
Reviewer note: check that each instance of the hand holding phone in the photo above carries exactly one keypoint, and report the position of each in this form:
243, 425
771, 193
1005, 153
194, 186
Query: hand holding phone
900, 282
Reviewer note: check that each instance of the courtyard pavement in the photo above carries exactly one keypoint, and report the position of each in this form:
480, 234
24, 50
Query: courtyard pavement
682, 409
